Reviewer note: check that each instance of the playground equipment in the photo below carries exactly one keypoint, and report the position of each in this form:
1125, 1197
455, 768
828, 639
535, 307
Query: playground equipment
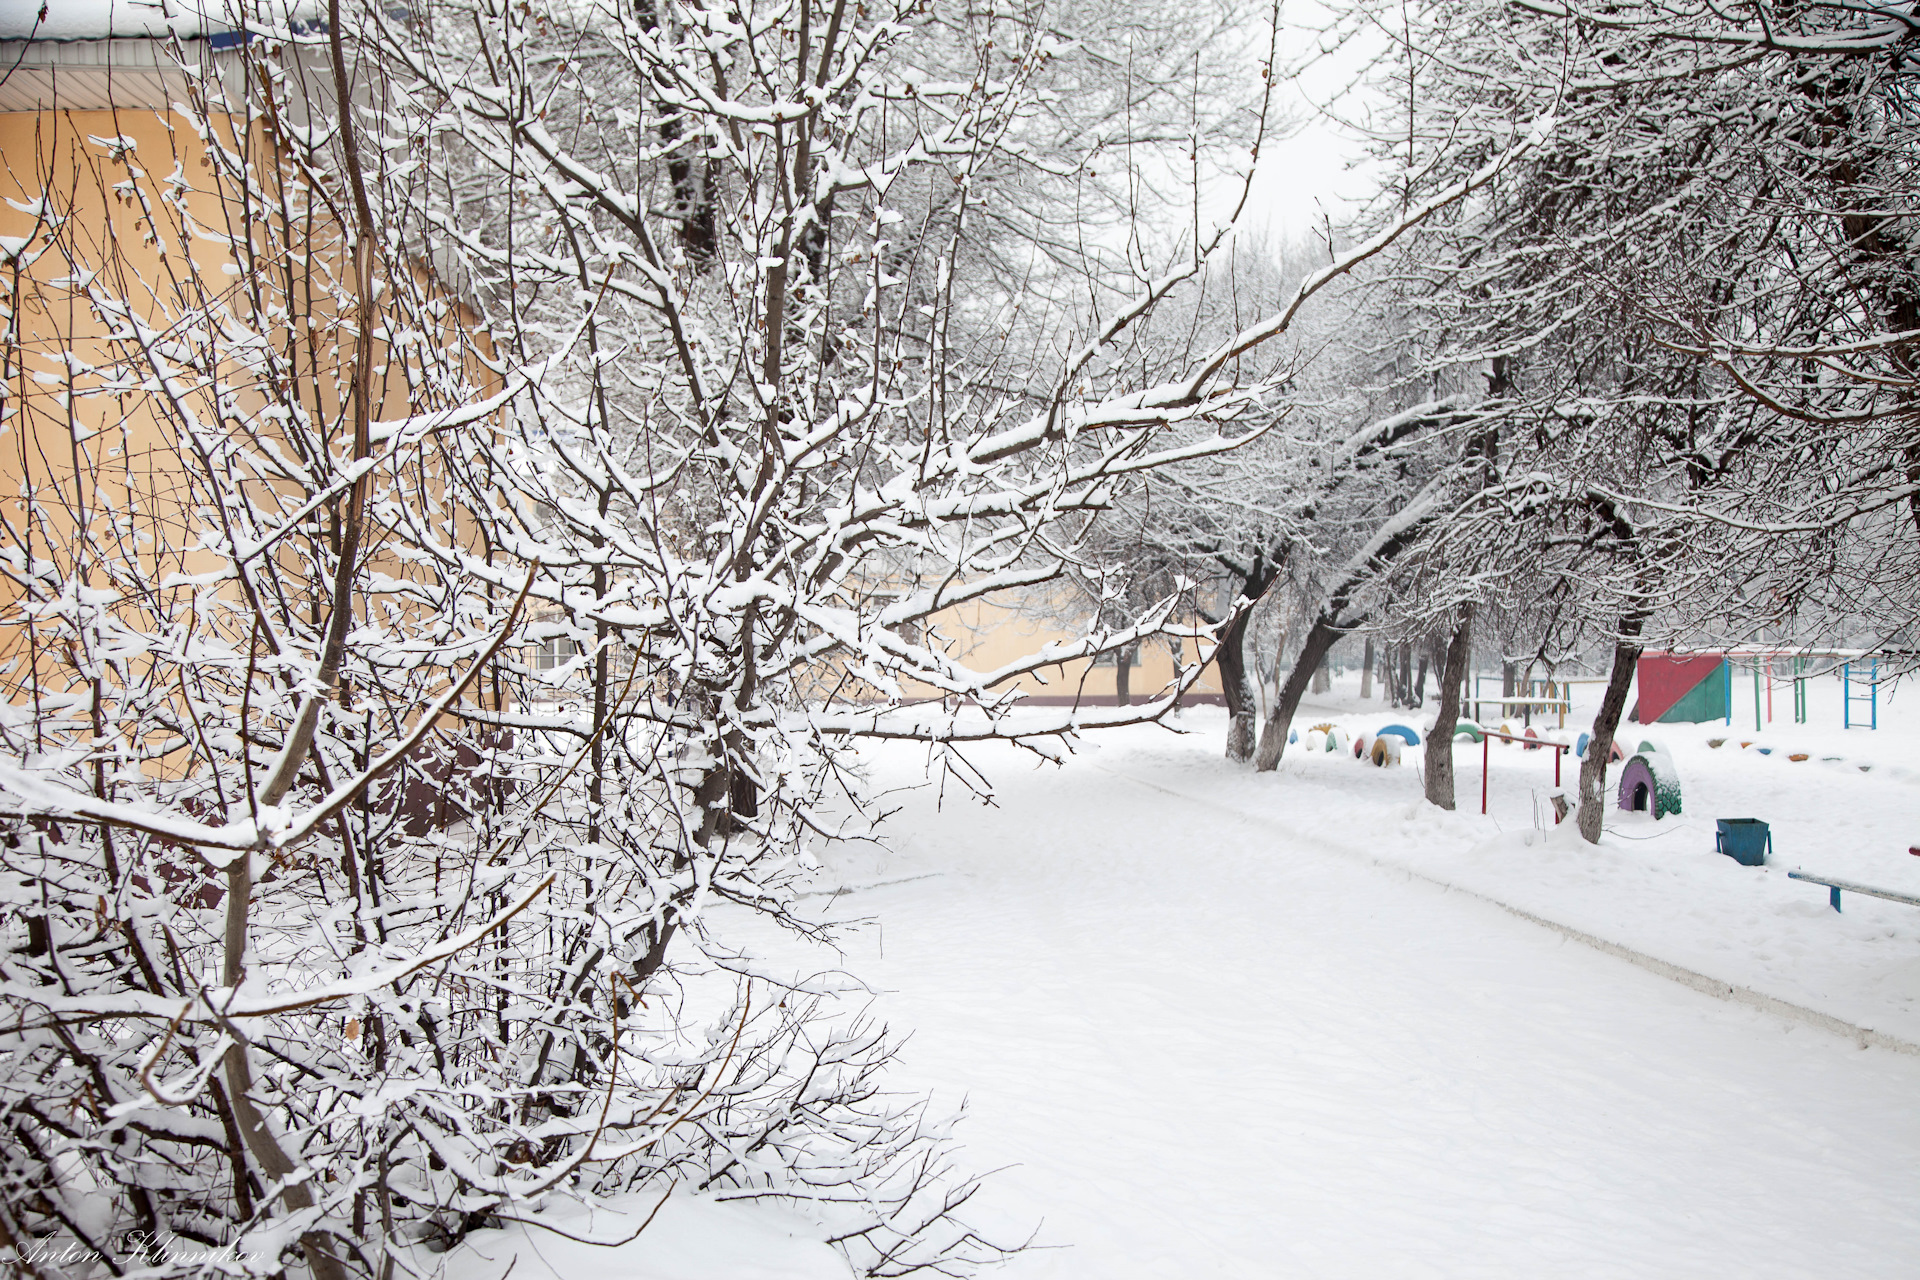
1682, 687
1386, 750
1486, 758
1650, 783
1835, 886
1556, 698
1871, 697
1614, 753
1696, 687
1467, 730
1405, 734
1747, 841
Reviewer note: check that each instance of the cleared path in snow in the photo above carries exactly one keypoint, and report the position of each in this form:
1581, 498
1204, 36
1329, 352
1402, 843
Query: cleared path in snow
1209, 1050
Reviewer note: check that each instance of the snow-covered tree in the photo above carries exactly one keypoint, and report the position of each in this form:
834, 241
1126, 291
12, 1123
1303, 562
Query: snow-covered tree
1666, 301
548, 434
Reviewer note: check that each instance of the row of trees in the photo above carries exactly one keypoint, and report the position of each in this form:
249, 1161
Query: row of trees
1654, 383
1696, 310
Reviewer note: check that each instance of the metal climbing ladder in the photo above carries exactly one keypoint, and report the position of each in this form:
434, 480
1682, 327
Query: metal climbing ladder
1871, 698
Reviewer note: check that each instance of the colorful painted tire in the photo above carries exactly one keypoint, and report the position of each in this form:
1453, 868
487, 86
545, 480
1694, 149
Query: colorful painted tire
1650, 784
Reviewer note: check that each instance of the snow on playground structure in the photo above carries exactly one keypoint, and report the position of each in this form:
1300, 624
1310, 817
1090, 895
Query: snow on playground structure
1653, 785
1387, 745
1650, 783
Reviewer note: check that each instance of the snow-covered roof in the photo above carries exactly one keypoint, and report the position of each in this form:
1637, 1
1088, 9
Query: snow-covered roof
116, 19
89, 55
148, 19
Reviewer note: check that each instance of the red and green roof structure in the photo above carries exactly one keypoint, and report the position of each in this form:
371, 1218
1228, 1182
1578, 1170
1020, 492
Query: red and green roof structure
1683, 688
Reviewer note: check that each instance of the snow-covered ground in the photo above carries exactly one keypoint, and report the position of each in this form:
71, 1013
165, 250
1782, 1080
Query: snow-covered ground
1216, 1023
689, 1237
1657, 886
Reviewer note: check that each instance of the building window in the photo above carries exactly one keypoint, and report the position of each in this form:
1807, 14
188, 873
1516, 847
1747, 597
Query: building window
556, 652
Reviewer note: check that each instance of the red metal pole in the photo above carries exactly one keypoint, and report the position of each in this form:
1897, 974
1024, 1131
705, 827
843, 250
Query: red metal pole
1486, 741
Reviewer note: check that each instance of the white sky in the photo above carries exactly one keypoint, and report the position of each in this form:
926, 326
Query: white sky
1306, 178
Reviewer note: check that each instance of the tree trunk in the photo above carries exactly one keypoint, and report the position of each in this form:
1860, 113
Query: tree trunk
1322, 679
1271, 688
260, 1140
1439, 768
1593, 770
1508, 678
1230, 654
1325, 630
1231, 657
1273, 737
1420, 684
1406, 674
1366, 671
1123, 675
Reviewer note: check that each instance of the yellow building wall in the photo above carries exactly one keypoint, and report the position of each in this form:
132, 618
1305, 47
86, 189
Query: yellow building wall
96, 477
989, 634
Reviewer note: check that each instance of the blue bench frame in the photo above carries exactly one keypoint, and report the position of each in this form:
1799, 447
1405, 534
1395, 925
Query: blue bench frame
1835, 886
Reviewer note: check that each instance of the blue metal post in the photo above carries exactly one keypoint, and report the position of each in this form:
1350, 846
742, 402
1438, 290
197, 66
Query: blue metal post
1833, 896
1871, 697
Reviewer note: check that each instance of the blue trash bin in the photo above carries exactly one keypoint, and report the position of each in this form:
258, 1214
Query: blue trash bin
1747, 841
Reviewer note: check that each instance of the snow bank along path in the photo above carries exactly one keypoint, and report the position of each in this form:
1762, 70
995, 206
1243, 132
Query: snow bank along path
1211, 1049
1717, 988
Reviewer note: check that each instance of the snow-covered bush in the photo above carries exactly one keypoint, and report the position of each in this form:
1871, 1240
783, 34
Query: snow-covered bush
462, 545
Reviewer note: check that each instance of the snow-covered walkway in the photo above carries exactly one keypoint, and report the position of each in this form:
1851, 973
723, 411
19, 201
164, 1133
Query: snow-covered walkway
1208, 1049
